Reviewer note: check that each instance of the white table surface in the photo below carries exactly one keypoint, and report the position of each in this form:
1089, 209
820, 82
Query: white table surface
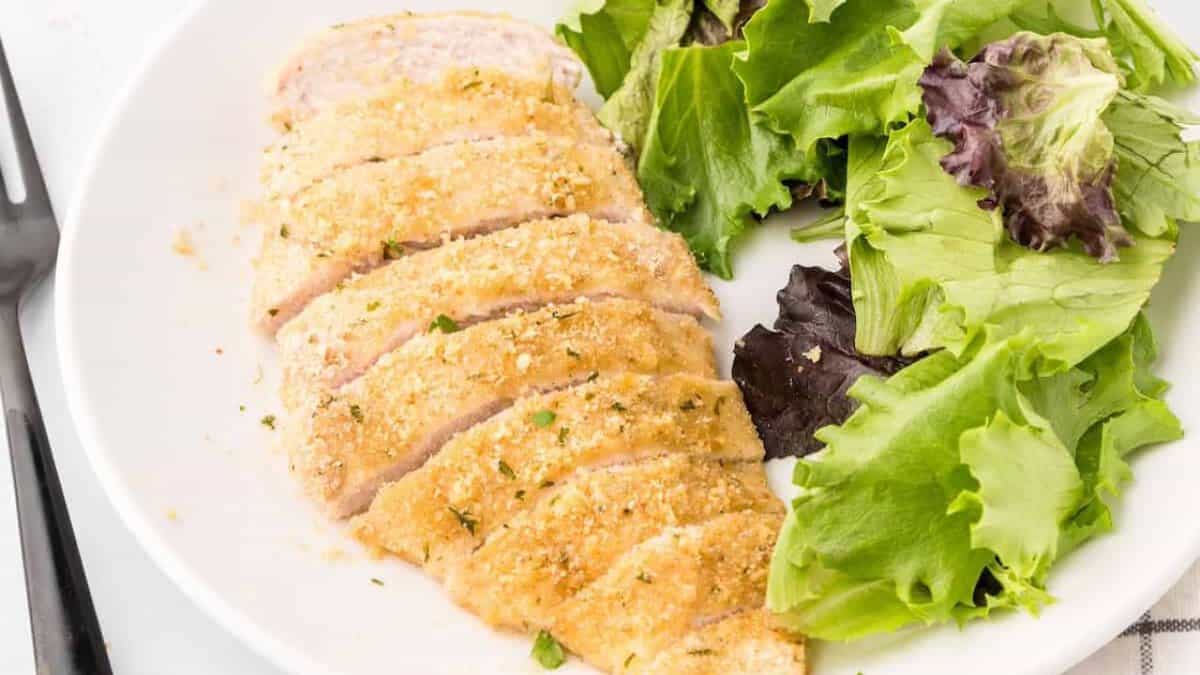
70, 59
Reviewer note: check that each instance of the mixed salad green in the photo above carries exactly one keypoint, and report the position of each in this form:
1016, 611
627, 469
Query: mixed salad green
1009, 190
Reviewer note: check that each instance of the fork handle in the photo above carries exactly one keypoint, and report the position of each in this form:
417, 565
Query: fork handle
66, 633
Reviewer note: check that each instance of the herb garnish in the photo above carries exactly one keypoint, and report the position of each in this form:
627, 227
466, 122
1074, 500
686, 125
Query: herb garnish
377, 582
593, 376
268, 421
373, 305
562, 435
543, 418
444, 324
644, 578
392, 250
506, 470
545, 484
520, 494
699, 652
283, 231
356, 412
547, 651
464, 519
572, 353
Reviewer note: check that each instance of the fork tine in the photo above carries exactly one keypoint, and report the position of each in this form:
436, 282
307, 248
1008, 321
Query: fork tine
37, 200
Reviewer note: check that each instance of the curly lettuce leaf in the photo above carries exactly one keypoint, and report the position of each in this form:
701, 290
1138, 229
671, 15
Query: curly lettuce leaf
627, 110
828, 69
707, 165
604, 33
1158, 175
950, 492
1025, 119
931, 269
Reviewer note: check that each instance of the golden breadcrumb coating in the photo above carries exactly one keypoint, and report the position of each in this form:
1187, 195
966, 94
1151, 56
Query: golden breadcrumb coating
406, 118
346, 443
544, 556
742, 644
340, 334
497, 468
361, 216
669, 586
350, 60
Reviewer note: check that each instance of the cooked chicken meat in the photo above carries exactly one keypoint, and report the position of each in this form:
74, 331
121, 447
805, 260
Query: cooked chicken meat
408, 117
363, 215
669, 586
486, 341
341, 334
347, 443
550, 552
502, 466
350, 60
740, 644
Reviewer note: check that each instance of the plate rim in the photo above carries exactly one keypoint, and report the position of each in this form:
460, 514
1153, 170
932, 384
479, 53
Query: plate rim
260, 639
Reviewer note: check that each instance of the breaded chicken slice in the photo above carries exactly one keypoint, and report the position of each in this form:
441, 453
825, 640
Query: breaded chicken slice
359, 217
345, 444
544, 556
742, 644
499, 467
349, 60
406, 118
665, 589
340, 334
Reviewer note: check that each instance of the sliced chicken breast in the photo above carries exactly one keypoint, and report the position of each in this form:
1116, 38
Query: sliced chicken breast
351, 59
339, 335
663, 590
361, 216
742, 644
406, 118
544, 556
501, 467
346, 444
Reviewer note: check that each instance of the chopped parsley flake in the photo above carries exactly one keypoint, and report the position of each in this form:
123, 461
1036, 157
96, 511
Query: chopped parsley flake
444, 324
373, 305
562, 435
572, 353
283, 231
644, 578
471, 85
241, 408
592, 377
506, 470
377, 582
544, 418
392, 250
628, 659
520, 494
465, 519
547, 651
356, 412
268, 421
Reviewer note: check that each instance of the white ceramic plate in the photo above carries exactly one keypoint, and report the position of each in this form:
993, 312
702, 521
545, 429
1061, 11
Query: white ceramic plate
158, 360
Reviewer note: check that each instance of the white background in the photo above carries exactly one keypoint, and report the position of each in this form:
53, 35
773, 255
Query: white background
70, 59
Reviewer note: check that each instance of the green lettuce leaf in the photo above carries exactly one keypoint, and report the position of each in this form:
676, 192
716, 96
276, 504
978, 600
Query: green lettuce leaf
1152, 53
828, 69
931, 269
707, 165
604, 33
952, 490
1158, 174
627, 111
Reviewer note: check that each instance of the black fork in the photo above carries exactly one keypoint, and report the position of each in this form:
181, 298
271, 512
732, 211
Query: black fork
66, 633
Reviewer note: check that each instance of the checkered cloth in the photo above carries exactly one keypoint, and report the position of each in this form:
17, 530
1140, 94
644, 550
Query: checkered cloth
1164, 641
